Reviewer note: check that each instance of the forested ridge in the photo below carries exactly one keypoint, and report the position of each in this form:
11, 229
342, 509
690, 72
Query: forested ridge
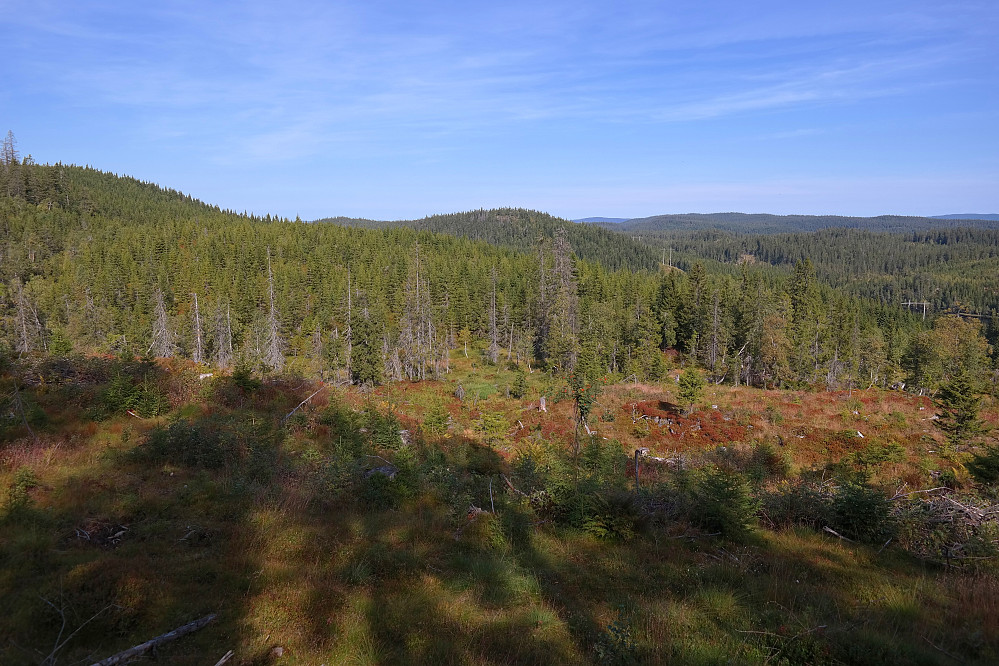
520, 228
951, 269
767, 223
100, 263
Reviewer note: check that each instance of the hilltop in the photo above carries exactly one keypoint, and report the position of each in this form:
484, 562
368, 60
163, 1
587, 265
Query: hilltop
521, 229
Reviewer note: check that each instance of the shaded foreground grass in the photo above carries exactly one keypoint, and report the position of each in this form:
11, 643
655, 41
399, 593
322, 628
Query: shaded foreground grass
285, 537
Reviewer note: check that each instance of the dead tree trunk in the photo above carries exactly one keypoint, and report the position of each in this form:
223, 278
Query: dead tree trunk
199, 349
223, 337
142, 648
163, 344
493, 329
274, 356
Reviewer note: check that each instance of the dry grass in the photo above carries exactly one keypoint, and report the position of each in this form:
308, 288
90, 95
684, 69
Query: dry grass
338, 580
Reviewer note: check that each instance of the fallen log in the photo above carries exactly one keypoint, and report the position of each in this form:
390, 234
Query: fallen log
132, 652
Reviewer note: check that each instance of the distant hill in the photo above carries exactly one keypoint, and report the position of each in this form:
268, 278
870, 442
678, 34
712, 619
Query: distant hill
607, 220
765, 223
520, 229
969, 216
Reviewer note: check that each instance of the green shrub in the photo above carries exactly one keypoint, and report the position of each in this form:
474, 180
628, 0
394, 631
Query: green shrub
611, 515
604, 463
723, 502
984, 467
242, 376
209, 444
615, 646
123, 394
690, 388
437, 419
529, 473
18, 498
519, 388
862, 513
386, 490
383, 428
876, 454
492, 426
767, 462
797, 503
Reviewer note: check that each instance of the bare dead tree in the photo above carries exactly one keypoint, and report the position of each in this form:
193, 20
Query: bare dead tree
163, 340
29, 328
273, 354
493, 329
350, 334
508, 325
417, 333
317, 348
10, 161
559, 327
199, 347
392, 367
714, 344
223, 337
9, 154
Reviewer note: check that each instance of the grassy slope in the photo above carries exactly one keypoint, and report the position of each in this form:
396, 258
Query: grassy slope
339, 581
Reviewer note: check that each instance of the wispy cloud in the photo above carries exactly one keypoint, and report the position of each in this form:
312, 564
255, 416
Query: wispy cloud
563, 89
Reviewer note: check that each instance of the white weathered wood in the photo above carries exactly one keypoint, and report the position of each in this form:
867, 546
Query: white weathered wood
226, 657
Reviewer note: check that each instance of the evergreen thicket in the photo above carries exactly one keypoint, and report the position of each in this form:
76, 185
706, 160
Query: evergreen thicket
99, 263
950, 268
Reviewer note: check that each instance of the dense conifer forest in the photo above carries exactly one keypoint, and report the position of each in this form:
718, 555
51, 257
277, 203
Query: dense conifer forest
491, 437
101, 264
952, 270
764, 223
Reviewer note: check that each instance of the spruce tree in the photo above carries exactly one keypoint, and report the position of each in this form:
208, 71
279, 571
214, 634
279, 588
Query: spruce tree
959, 402
690, 389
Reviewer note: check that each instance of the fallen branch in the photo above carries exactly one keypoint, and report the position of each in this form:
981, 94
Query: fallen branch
289, 414
130, 653
835, 533
941, 650
60, 644
899, 494
226, 657
511, 487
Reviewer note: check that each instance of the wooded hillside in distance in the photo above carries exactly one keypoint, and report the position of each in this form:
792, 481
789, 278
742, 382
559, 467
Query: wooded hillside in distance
766, 223
100, 263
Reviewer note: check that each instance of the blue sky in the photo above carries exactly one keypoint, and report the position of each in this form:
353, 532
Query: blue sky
403, 109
